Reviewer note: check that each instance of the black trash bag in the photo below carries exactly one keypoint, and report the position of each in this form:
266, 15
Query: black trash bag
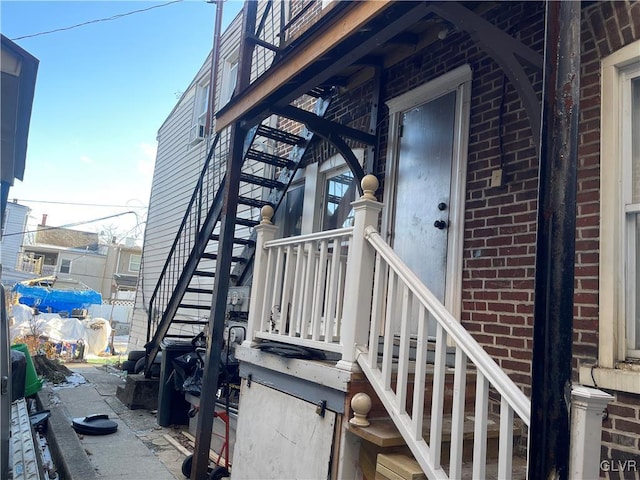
193, 383
184, 367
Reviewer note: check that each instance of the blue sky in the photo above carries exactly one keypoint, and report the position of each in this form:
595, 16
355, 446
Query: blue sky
102, 92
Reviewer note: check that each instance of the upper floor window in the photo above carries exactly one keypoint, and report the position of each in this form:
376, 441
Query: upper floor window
134, 263
229, 78
200, 109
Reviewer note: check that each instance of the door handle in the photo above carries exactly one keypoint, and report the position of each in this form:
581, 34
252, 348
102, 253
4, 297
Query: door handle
440, 224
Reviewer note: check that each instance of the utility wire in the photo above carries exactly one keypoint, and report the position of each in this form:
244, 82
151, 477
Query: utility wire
73, 224
107, 19
78, 204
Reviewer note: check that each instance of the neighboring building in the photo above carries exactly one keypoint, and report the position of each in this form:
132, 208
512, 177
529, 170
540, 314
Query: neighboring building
14, 226
65, 237
184, 141
441, 101
19, 70
112, 270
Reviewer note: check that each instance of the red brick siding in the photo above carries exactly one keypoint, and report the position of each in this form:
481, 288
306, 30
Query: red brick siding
500, 223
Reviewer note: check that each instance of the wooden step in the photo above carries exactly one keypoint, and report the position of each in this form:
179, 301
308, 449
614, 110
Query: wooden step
401, 466
361, 384
383, 432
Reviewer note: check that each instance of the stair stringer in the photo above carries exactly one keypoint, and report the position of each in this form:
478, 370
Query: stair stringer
208, 227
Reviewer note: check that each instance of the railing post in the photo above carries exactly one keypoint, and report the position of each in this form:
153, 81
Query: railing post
587, 405
265, 231
356, 315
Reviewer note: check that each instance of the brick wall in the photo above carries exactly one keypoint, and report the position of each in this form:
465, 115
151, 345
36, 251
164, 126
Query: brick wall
500, 223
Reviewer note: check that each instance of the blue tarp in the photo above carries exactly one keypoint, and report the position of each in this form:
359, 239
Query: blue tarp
53, 301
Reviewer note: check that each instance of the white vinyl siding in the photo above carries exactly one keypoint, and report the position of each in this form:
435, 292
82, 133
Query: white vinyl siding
177, 168
14, 227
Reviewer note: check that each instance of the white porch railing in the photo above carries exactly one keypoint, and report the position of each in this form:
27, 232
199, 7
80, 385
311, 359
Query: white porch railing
347, 291
298, 287
400, 296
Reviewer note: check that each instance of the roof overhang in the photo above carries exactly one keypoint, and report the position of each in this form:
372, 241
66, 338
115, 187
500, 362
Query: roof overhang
19, 69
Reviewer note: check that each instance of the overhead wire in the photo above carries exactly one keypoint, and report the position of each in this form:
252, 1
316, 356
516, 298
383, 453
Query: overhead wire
98, 20
75, 224
80, 204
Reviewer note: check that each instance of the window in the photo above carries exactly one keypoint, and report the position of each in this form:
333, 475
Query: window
619, 312
338, 193
292, 213
200, 109
65, 265
631, 205
4, 222
229, 78
134, 263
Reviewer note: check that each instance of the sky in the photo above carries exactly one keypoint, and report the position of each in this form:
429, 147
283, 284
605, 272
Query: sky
102, 91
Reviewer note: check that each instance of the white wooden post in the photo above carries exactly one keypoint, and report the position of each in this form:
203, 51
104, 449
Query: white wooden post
265, 231
356, 314
587, 405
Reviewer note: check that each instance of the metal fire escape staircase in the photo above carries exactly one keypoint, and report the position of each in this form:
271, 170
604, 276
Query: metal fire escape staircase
273, 151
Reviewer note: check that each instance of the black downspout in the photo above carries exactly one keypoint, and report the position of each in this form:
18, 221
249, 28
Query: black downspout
555, 245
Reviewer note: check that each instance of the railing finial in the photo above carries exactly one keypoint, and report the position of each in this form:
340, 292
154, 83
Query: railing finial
361, 406
369, 186
266, 213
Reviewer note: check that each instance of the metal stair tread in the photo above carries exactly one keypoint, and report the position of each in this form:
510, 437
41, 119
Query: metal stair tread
268, 158
279, 135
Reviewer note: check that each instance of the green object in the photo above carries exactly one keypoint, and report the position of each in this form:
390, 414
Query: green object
32, 383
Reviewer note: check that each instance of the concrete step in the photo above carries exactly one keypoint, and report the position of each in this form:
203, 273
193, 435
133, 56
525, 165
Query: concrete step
139, 392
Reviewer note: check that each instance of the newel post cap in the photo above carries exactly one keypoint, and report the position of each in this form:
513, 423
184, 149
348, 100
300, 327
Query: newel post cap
267, 214
369, 185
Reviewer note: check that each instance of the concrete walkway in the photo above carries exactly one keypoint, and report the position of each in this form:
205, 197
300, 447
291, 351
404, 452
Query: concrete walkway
138, 450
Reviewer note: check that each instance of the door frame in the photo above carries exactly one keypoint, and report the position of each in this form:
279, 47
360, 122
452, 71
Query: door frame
459, 80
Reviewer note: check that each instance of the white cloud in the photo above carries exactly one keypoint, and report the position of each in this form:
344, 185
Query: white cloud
86, 159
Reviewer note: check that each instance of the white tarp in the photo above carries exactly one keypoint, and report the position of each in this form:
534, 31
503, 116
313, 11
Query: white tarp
93, 332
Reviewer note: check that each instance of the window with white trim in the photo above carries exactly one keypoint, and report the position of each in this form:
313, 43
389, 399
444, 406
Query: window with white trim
339, 190
134, 263
4, 222
197, 131
619, 275
65, 265
229, 78
631, 203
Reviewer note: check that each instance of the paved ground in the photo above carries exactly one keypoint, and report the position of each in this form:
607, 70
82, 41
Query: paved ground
138, 450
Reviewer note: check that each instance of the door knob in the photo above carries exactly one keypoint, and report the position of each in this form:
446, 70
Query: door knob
440, 224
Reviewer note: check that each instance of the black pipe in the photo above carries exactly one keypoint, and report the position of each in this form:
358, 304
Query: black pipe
555, 245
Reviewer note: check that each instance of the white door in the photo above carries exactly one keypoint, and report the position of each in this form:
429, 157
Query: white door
423, 187
426, 176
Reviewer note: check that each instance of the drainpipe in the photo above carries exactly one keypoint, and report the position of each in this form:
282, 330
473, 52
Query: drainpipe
215, 61
555, 245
